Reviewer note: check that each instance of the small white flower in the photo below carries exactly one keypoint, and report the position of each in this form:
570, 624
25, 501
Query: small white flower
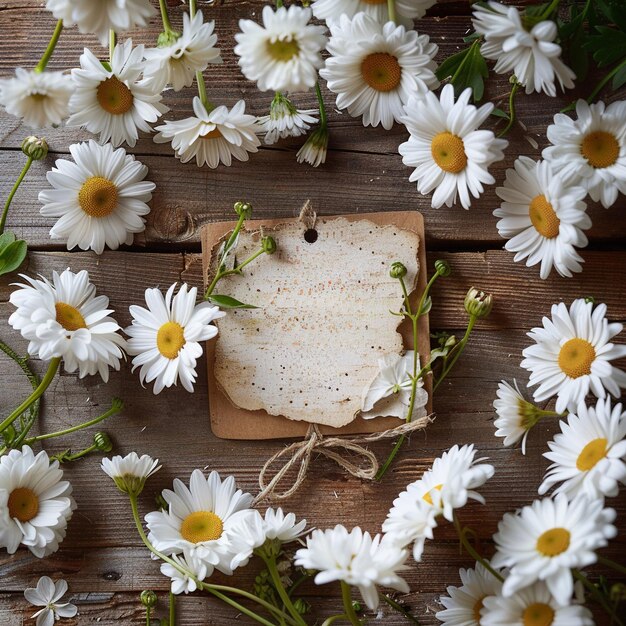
516, 416
196, 569
542, 217
589, 454
464, 605
243, 537
591, 150
64, 318
406, 10
200, 519
356, 559
212, 137
130, 472
529, 53
39, 98
389, 393
315, 148
285, 120
166, 338
35, 503
572, 355
533, 606
47, 594
284, 53
100, 199
375, 68
115, 102
449, 152
102, 16
545, 540
177, 61
283, 527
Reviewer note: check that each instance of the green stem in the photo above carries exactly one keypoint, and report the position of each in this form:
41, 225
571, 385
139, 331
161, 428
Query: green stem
111, 44
278, 585
511, 121
472, 551
612, 564
41, 66
322, 106
347, 604
172, 609
598, 596
165, 18
605, 80
334, 618
37, 393
78, 455
18, 182
391, 8
199, 77
398, 607
458, 350
115, 408
148, 609
550, 9
279, 4
242, 609
405, 293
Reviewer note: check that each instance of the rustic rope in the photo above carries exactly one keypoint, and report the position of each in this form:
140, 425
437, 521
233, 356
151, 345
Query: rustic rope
299, 455
307, 215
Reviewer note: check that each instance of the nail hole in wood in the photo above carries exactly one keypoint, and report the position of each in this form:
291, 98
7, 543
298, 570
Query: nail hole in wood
310, 235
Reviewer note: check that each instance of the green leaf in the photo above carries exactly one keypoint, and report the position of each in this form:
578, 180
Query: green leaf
6, 239
227, 302
500, 113
608, 45
466, 68
619, 80
614, 11
12, 256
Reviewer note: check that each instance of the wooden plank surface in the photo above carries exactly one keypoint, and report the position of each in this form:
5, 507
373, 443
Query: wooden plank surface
102, 558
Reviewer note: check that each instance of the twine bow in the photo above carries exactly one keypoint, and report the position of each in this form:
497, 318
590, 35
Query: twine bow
301, 453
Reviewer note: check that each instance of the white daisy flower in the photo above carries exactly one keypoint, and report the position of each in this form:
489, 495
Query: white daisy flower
533, 606
375, 68
285, 120
530, 54
39, 98
114, 102
464, 605
166, 338
243, 537
177, 60
315, 148
542, 217
196, 570
545, 540
589, 454
354, 558
47, 594
35, 503
130, 472
284, 53
451, 155
572, 355
516, 416
406, 10
591, 150
214, 136
100, 199
200, 518
102, 16
283, 527
64, 318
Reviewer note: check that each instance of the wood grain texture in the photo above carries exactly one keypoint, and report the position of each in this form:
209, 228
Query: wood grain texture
102, 558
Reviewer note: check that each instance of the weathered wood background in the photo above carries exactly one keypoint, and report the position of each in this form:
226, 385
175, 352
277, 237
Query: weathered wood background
103, 558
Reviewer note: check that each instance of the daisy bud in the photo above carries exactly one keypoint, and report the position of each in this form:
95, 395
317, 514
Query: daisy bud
130, 473
167, 38
315, 148
148, 598
243, 209
443, 268
268, 244
478, 303
161, 502
398, 270
35, 148
102, 441
302, 606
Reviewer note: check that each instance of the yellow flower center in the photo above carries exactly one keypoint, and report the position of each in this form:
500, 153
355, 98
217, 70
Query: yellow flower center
114, 96
212, 134
381, 71
201, 526
538, 614
23, 504
428, 498
600, 148
69, 317
448, 152
170, 339
283, 50
593, 452
553, 542
477, 607
98, 197
543, 217
576, 357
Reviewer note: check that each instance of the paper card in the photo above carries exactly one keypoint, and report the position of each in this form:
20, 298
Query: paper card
312, 347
